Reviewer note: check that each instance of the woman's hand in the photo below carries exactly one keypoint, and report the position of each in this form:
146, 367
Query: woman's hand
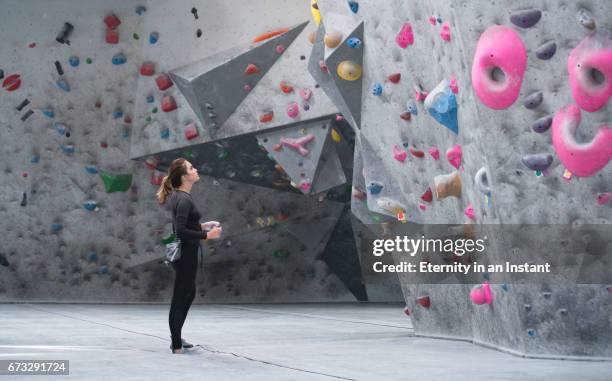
214, 233
209, 225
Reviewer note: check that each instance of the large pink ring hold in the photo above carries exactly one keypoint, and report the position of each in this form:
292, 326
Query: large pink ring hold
582, 159
590, 70
499, 49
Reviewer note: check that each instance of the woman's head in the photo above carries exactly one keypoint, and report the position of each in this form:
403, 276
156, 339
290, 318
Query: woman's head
180, 172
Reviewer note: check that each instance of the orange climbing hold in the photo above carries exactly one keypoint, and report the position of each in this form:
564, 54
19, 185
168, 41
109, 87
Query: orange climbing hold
251, 69
270, 34
286, 88
267, 117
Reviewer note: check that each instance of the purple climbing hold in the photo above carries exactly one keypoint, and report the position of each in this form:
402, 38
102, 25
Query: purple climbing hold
546, 50
537, 162
533, 100
543, 124
526, 18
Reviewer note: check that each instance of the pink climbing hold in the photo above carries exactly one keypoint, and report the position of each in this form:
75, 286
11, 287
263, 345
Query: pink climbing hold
168, 103
581, 159
279, 49
405, 36
305, 186
453, 85
603, 198
422, 207
112, 36
469, 212
433, 20
453, 155
305, 94
427, 196
445, 32
112, 21
399, 154
499, 49
339, 117
590, 70
434, 153
323, 66
293, 110
147, 69
481, 294
247, 88
191, 131
163, 81
298, 144
419, 94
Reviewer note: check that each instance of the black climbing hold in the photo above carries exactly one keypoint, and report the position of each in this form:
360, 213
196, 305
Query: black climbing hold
1, 73
526, 18
199, 33
24, 199
543, 124
63, 35
194, 12
27, 115
3, 260
533, 100
23, 104
546, 50
302, 58
58, 67
537, 162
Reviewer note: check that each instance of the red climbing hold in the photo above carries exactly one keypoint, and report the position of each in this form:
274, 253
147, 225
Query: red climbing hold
127, 119
424, 301
405, 115
286, 88
112, 21
191, 131
157, 177
104, 145
394, 78
407, 311
163, 81
251, 69
32, 45
267, 117
168, 103
427, 196
417, 153
12, 82
147, 68
112, 36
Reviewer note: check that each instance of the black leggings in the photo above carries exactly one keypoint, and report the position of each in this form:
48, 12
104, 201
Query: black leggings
184, 291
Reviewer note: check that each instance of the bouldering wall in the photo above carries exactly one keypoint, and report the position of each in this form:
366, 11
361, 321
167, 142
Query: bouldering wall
481, 113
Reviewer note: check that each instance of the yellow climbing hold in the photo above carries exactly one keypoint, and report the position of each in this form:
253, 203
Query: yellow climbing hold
335, 135
316, 14
349, 70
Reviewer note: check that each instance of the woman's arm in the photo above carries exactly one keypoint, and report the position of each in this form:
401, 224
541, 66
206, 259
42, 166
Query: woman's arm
183, 209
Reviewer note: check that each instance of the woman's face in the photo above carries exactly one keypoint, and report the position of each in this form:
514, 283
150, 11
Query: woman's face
192, 173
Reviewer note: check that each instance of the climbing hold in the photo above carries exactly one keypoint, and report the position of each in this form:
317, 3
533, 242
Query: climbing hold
390, 205
191, 131
103, 270
316, 14
60, 128
58, 68
405, 36
25, 116
546, 50
349, 70
434, 153
533, 100
163, 81
251, 69
305, 94
603, 198
12, 82
581, 159
292, 110
112, 36
447, 185
354, 6
417, 153
445, 32
526, 18
119, 59
481, 294
56, 227
24, 103
74, 61
92, 256
332, 39
140, 10
428, 195
150, 98
136, 36
64, 33
453, 155
441, 104
399, 154
199, 33
395, 77
531, 332
543, 124
377, 89
270, 34
504, 287
419, 94
433, 20
68, 149
281, 253
411, 107
374, 188
407, 311
286, 88
165, 133
48, 113
88, 60
63, 84
279, 49
498, 67
115, 183
91, 169
359, 195
354, 42
194, 12
168, 103
117, 114
147, 69
590, 70
312, 36
586, 19
405, 115
153, 37
305, 186
537, 162
453, 85
469, 212
298, 143
35, 159
481, 180
90, 205
267, 117
112, 21
335, 135
424, 301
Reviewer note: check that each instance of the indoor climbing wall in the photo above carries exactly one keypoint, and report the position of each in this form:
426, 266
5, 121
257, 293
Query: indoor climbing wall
85, 85
480, 113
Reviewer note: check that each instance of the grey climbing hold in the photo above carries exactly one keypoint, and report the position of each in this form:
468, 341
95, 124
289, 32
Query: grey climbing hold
481, 181
546, 50
585, 18
537, 162
533, 100
543, 124
526, 18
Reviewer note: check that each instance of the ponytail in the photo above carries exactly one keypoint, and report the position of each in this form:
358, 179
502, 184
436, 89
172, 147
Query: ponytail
172, 180
164, 190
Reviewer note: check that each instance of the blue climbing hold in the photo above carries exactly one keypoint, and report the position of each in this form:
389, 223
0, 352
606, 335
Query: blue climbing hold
68, 150
48, 113
531, 332
140, 10
486, 276
74, 61
90, 205
153, 37
505, 287
377, 89
117, 114
441, 104
91, 169
150, 98
56, 227
412, 107
103, 269
354, 6
119, 59
62, 84
125, 134
374, 187
35, 159
354, 42
165, 133
92, 256
60, 128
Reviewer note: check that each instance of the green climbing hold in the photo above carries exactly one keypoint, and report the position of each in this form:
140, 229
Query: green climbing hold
538, 173
136, 36
148, 119
116, 183
376, 218
88, 60
224, 154
280, 253
188, 154
169, 238
154, 110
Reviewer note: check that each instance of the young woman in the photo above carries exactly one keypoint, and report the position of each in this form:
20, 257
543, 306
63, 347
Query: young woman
176, 188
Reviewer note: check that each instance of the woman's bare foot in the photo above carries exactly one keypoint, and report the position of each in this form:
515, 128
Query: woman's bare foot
177, 351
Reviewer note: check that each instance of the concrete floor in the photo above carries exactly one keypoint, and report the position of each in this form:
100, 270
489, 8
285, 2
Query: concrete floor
258, 342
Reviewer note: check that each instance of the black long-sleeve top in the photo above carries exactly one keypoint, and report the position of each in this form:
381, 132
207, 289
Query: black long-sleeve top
186, 218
